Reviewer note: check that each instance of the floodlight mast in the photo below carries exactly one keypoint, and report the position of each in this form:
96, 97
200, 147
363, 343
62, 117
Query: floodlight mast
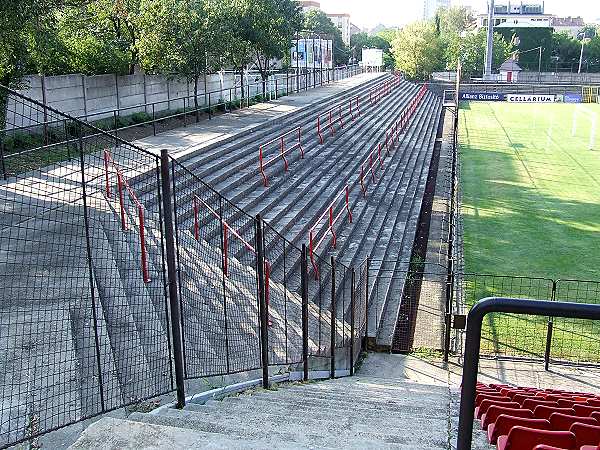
489, 51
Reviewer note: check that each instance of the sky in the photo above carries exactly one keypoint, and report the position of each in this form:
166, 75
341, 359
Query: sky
369, 13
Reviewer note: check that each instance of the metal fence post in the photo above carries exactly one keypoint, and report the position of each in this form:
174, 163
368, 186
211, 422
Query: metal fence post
116, 125
352, 319
262, 302
367, 305
333, 314
549, 332
90, 267
172, 278
153, 120
224, 264
304, 283
2, 162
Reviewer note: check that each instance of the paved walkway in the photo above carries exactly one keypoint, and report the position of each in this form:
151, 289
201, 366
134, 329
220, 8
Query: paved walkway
183, 141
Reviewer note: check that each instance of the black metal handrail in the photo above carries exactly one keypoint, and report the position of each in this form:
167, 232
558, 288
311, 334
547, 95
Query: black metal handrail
473, 341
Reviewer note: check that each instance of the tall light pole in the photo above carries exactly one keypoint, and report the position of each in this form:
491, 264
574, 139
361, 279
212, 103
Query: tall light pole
489, 51
583, 42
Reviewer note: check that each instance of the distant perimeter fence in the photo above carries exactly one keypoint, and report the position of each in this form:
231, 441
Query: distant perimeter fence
124, 275
26, 131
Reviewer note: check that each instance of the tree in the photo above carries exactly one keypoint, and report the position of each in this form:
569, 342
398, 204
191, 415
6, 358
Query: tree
470, 49
527, 39
382, 40
453, 21
318, 22
178, 38
102, 35
268, 27
418, 50
22, 23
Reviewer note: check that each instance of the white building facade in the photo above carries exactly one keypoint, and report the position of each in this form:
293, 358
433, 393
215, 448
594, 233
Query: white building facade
342, 21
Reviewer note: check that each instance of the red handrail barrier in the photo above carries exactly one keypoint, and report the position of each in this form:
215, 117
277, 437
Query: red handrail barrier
227, 229
122, 185
282, 152
357, 109
412, 107
332, 220
330, 122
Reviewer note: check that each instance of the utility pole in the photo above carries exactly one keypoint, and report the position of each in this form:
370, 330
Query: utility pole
489, 52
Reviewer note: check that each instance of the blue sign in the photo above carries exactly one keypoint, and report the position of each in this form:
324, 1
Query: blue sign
573, 97
482, 97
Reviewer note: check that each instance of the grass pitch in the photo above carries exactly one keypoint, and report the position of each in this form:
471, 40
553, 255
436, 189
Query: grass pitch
530, 179
531, 189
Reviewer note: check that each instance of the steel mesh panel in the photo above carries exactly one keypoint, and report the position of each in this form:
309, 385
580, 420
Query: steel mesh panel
576, 340
508, 334
84, 325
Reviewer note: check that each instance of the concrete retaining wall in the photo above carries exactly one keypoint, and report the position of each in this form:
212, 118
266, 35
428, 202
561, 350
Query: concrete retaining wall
97, 97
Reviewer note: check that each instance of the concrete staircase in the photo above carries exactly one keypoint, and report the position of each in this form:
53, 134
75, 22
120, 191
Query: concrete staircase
49, 304
378, 408
385, 221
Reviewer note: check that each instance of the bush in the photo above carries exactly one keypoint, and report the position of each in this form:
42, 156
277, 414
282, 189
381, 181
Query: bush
140, 117
20, 141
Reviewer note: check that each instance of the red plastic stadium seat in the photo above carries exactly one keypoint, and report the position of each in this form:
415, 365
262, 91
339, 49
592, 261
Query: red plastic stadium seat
520, 398
583, 410
561, 421
482, 397
585, 434
544, 412
569, 402
596, 415
531, 403
504, 424
521, 438
485, 404
593, 401
494, 411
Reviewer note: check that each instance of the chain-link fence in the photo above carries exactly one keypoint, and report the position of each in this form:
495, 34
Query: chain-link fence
84, 324
95, 317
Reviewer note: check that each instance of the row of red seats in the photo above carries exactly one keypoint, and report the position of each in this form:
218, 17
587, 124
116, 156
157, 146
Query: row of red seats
525, 418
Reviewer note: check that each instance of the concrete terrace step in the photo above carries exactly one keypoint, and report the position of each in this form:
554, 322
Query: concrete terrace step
355, 412
282, 203
227, 156
110, 433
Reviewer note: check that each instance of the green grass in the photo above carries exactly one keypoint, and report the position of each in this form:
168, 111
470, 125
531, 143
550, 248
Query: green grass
531, 190
531, 207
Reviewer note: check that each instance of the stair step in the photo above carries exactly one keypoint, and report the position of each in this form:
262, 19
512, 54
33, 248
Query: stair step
324, 434
109, 433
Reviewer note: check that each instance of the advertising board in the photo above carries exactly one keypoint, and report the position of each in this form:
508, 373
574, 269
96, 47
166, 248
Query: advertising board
482, 96
531, 98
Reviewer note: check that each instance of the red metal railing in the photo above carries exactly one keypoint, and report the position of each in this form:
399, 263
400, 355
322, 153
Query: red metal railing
331, 117
355, 112
227, 229
281, 140
328, 119
412, 107
122, 186
370, 167
329, 212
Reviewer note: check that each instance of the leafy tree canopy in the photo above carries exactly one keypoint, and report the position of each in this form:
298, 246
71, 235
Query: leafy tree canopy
417, 50
318, 22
